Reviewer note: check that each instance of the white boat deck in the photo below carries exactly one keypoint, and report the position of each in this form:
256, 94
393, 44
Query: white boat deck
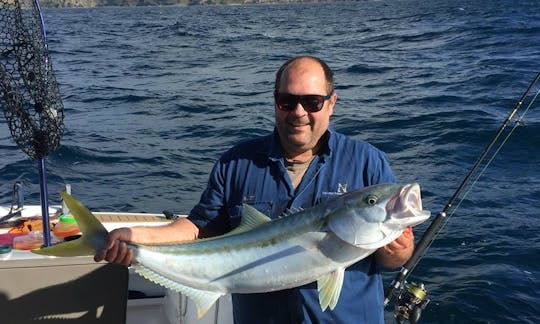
148, 303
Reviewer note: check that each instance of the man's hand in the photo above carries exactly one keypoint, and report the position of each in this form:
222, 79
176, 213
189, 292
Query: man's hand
116, 249
396, 253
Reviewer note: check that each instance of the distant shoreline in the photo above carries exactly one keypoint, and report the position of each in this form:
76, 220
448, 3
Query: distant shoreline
136, 3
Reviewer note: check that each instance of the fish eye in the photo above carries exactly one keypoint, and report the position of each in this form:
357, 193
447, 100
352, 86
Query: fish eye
372, 200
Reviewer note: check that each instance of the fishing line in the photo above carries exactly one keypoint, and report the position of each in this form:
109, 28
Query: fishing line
481, 173
410, 299
517, 123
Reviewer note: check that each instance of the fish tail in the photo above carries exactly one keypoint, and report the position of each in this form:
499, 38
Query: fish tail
93, 233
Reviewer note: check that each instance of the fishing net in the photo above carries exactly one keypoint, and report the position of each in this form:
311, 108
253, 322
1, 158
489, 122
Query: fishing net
29, 95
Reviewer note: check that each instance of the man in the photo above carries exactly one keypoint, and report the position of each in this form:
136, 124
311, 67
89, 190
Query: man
301, 164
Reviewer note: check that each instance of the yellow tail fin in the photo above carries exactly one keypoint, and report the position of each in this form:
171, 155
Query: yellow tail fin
93, 233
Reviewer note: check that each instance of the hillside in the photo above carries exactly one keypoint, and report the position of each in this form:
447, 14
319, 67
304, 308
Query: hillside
105, 3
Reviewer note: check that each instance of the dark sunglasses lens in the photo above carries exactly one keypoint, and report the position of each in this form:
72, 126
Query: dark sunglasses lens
286, 102
311, 103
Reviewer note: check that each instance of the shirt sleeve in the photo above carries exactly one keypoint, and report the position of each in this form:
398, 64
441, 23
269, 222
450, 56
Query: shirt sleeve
209, 211
382, 171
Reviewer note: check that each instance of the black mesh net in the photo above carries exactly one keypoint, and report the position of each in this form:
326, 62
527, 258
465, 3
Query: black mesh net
29, 95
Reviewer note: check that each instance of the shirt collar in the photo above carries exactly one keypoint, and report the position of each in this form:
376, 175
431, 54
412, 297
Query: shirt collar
273, 150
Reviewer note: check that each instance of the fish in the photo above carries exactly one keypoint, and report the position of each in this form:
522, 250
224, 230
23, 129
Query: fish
263, 254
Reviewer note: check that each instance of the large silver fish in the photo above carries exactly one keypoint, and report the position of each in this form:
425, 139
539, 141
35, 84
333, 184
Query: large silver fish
263, 255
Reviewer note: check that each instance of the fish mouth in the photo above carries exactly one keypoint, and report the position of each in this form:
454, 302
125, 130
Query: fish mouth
407, 204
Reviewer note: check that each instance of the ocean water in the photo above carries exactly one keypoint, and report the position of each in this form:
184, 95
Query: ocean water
153, 96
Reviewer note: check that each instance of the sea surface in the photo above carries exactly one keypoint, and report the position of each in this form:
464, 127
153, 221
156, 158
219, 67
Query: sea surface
154, 95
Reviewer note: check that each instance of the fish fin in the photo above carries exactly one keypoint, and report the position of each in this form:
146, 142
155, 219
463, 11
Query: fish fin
93, 233
251, 218
78, 247
203, 299
329, 287
290, 211
87, 222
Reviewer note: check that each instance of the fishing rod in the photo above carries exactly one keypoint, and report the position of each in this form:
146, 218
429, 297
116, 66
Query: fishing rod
410, 299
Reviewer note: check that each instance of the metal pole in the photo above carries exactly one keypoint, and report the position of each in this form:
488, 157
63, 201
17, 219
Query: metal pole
44, 202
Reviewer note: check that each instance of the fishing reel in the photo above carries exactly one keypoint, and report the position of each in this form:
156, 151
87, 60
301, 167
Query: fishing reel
410, 302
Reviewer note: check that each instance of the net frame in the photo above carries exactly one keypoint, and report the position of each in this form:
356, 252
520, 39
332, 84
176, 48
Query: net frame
29, 93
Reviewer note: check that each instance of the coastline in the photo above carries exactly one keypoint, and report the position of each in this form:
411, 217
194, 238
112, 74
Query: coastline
135, 3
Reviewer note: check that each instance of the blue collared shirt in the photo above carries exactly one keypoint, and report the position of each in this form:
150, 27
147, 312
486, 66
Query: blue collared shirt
253, 172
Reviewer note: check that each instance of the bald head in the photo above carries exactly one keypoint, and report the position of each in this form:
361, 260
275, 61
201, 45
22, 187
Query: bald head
305, 62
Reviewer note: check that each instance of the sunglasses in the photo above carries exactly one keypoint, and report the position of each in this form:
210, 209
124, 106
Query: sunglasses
311, 103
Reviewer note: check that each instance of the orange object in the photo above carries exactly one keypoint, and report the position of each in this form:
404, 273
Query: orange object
28, 226
66, 226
